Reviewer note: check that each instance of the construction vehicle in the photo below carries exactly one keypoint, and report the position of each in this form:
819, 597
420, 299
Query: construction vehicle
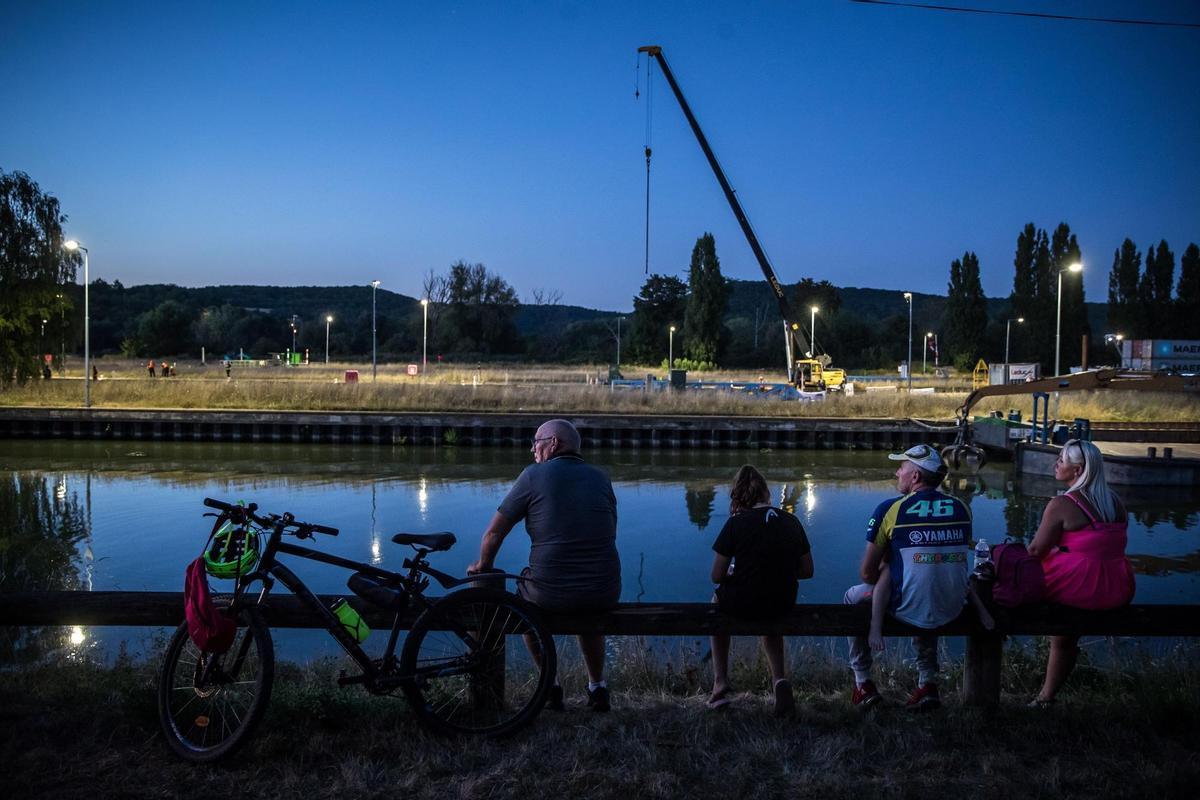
807, 370
965, 452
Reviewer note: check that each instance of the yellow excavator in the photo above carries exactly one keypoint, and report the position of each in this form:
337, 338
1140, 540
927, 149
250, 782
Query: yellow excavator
807, 370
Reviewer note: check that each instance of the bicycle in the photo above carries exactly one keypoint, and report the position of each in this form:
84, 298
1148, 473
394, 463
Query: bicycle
475, 661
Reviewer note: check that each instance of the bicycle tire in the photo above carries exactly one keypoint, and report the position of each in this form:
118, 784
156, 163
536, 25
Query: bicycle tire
209, 721
456, 684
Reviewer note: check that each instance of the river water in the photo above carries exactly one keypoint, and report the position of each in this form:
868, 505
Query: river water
120, 515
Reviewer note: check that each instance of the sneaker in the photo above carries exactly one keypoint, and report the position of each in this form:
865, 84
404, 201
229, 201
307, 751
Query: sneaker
865, 695
925, 698
554, 701
598, 699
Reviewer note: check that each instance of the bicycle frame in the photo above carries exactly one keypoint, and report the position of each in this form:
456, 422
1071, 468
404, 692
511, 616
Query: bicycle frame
378, 676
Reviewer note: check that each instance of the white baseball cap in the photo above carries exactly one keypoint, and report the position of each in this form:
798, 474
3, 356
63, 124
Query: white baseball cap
923, 456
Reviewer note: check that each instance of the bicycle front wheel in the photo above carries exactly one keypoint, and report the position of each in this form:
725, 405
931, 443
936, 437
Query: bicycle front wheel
209, 704
479, 661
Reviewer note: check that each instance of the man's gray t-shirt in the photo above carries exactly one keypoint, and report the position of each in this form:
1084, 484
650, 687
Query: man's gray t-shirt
570, 513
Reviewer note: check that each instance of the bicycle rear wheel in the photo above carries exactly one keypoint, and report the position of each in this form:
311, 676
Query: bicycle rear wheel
480, 662
209, 704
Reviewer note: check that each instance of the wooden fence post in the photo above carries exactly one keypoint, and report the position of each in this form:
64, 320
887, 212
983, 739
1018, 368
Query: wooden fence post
984, 658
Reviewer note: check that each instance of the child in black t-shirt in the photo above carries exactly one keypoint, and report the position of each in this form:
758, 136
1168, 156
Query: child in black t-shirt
760, 556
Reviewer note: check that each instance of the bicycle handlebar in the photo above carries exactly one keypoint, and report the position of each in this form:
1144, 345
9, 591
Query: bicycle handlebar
303, 529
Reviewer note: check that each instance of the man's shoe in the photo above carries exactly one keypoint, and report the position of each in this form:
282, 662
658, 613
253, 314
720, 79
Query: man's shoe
554, 701
598, 699
925, 698
785, 703
866, 695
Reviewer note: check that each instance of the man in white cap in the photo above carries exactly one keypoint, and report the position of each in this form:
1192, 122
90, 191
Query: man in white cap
923, 536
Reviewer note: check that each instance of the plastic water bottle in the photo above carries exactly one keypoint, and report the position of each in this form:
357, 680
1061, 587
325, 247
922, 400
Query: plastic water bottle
983, 559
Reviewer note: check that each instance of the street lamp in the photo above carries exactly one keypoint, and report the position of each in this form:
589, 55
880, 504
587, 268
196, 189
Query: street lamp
925, 352
72, 246
671, 350
1115, 340
425, 335
908, 364
812, 335
328, 320
1007, 330
293, 353
374, 286
1058, 319
619, 321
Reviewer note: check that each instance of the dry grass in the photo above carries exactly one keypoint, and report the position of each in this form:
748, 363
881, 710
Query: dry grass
80, 731
540, 390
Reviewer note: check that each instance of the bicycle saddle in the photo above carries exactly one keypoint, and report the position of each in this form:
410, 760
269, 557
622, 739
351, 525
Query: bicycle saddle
434, 542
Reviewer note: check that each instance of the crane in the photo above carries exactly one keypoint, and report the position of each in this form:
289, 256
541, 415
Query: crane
806, 370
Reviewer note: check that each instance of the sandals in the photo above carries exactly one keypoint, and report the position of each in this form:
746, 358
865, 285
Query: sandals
1038, 702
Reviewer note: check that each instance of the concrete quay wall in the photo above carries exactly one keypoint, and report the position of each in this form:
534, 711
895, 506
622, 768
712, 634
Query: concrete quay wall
469, 429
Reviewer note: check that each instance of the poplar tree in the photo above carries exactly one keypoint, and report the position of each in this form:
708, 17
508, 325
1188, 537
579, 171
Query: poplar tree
1064, 251
34, 268
1154, 291
706, 303
1123, 310
1187, 298
658, 306
965, 318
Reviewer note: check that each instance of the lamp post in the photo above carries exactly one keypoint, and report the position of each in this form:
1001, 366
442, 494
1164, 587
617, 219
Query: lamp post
73, 245
328, 321
812, 333
671, 350
425, 335
925, 352
374, 286
62, 336
293, 353
1115, 340
619, 320
908, 364
1007, 330
1058, 318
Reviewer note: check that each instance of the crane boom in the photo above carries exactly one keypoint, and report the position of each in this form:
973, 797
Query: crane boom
795, 339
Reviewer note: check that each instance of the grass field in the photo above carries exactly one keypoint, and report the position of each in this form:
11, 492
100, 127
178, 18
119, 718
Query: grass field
74, 729
542, 390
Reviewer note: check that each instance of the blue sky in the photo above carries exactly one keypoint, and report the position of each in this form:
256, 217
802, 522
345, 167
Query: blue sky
335, 143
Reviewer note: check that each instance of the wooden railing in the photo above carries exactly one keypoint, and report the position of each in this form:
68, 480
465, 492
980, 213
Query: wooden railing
982, 664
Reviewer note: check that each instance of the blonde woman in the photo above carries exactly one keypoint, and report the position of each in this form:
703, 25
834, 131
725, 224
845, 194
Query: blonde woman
1081, 541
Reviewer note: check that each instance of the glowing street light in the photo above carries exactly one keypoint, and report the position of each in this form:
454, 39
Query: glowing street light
425, 335
1058, 320
374, 286
908, 365
1007, 330
72, 246
328, 321
812, 336
671, 350
925, 352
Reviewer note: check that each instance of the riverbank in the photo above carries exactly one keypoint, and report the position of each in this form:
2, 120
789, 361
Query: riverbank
75, 729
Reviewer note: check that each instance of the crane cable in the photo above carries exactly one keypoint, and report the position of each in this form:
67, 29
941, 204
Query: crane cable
646, 145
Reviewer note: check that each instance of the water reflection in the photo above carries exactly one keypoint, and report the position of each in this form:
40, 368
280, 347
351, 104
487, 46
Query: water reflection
119, 519
44, 525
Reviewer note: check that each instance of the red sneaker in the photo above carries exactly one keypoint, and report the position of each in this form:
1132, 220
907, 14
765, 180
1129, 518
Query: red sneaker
924, 698
865, 695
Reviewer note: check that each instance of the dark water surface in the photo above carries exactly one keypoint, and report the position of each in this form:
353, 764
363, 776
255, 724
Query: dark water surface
127, 515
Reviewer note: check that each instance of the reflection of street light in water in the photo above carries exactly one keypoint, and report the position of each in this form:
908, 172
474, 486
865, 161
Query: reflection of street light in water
77, 635
810, 496
423, 497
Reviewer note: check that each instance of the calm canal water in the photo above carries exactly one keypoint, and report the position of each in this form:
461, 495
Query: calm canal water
127, 515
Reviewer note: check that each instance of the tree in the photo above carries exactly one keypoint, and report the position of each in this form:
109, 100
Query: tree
1064, 251
1032, 296
34, 268
965, 318
702, 329
1187, 297
165, 330
1123, 309
825, 297
1154, 291
659, 305
480, 311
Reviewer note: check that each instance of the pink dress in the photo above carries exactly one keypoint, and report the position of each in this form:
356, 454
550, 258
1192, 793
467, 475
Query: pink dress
1089, 569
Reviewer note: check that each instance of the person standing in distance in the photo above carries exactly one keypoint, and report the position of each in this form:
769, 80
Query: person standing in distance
923, 536
570, 514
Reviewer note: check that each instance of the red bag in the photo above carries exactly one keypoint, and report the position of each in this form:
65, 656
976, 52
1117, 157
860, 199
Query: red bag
208, 627
1020, 579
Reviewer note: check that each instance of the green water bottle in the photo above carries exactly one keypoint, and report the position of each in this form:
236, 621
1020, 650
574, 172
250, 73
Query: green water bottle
351, 620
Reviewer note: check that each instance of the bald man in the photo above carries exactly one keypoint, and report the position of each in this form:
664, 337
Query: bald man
570, 514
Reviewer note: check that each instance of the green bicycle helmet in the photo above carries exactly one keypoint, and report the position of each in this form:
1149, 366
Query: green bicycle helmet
233, 552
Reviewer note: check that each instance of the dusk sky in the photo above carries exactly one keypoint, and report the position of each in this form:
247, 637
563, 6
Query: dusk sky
334, 143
